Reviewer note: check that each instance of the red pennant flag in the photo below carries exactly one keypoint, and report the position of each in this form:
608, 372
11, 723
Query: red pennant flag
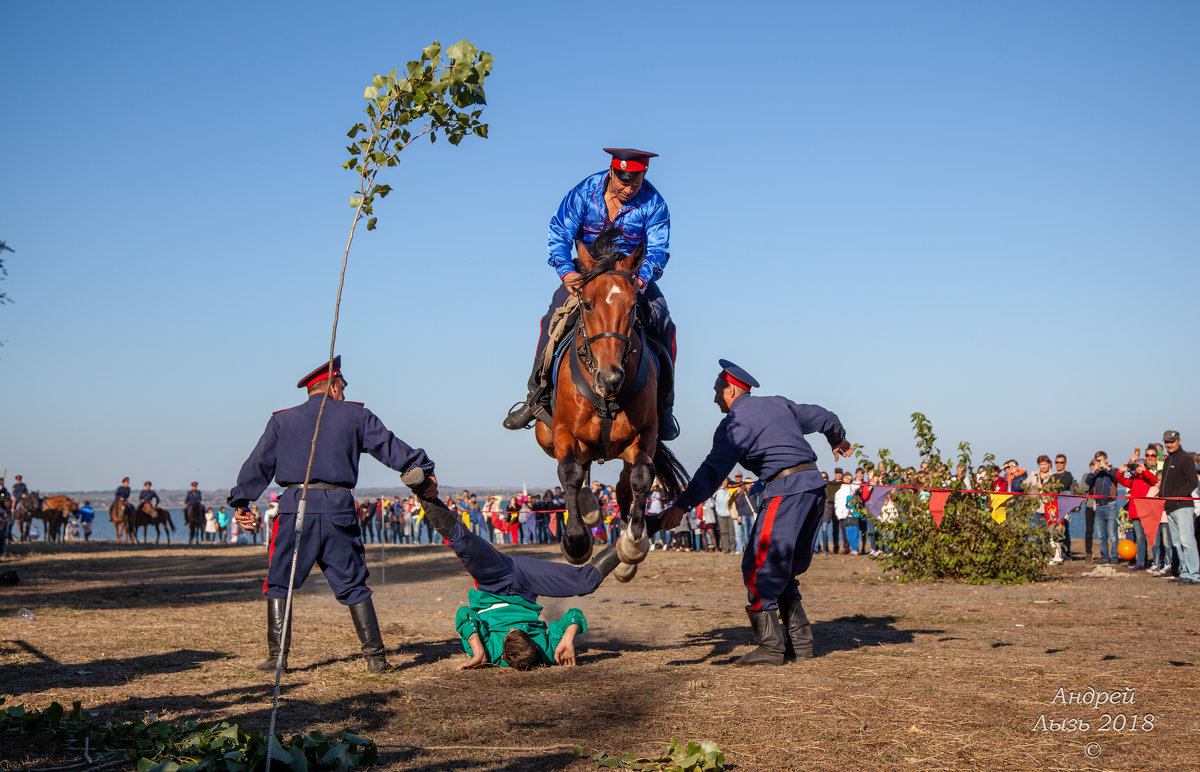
1052, 511
937, 505
1149, 511
554, 523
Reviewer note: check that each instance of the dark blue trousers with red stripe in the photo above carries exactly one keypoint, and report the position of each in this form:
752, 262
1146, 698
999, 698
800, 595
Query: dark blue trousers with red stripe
333, 542
781, 547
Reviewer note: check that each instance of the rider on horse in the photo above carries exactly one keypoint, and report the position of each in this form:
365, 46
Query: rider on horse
620, 198
148, 498
121, 494
193, 497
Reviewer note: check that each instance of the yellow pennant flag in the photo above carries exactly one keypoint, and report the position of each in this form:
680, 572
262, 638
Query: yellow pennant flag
999, 510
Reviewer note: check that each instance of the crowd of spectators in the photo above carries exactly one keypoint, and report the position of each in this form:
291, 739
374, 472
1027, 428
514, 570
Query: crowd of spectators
853, 509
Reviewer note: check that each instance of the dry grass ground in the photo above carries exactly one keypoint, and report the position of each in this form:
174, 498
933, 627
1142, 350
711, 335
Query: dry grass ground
919, 676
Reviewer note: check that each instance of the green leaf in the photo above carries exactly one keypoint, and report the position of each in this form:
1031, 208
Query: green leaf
279, 754
371, 223
610, 763
463, 49
355, 200
370, 92
432, 52
578, 751
378, 81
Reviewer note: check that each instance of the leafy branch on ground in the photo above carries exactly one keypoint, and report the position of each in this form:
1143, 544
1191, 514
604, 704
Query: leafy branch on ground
970, 545
704, 756
159, 746
434, 96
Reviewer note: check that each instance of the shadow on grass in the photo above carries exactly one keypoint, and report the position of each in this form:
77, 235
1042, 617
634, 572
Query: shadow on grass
147, 578
47, 671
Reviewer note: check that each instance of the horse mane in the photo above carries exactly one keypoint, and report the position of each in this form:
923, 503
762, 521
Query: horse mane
605, 254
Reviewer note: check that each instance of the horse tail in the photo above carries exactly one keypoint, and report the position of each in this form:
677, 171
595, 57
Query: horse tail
167, 516
672, 473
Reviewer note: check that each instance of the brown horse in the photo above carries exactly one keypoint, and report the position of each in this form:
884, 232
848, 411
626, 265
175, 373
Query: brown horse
121, 514
56, 511
148, 515
606, 406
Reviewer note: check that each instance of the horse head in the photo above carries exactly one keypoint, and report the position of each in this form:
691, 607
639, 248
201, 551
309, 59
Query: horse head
608, 299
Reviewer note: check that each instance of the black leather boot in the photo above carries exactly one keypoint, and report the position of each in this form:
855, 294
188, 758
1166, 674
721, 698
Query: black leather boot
668, 427
439, 517
277, 635
366, 624
606, 560
769, 633
797, 632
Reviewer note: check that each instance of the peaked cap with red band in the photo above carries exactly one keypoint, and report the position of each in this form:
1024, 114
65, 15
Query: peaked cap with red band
736, 375
628, 160
322, 373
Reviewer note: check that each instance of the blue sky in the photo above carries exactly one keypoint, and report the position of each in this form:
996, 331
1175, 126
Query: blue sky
986, 212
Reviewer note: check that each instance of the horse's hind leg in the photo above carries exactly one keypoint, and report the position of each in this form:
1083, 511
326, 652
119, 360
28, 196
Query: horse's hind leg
577, 540
633, 545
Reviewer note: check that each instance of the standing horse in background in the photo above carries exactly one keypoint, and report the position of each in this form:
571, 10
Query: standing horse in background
194, 517
24, 511
121, 514
149, 515
606, 406
56, 512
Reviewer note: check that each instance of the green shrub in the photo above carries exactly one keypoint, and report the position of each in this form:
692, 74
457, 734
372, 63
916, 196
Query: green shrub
970, 545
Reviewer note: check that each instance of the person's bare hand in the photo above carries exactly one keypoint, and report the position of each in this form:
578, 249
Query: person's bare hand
244, 518
843, 450
670, 517
573, 281
564, 653
474, 663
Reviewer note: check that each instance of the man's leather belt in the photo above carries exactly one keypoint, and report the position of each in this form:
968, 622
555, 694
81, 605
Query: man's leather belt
793, 470
318, 486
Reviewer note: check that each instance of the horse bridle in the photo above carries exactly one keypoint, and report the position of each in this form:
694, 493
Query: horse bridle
585, 341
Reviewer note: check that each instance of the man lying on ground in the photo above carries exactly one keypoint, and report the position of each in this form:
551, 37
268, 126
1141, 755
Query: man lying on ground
501, 624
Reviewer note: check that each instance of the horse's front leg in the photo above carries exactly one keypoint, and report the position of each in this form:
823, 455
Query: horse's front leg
633, 546
577, 540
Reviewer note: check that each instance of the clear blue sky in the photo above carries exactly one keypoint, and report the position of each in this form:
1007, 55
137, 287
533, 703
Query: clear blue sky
987, 212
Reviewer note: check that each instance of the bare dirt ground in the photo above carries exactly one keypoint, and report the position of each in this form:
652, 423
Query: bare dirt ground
923, 676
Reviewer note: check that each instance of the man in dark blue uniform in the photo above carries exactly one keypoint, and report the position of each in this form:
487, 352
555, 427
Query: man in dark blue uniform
618, 197
505, 595
331, 535
766, 435
19, 490
194, 496
147, 496
121, 494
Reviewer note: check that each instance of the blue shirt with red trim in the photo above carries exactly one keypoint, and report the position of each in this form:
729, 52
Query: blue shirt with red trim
765, 435
583, 216
347, 430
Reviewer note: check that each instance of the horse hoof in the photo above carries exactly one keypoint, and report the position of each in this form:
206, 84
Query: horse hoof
625, 572
573, 560
630, 552
589, 507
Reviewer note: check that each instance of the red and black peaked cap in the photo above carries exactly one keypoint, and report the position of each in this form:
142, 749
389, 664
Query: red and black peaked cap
322, 372
626, 159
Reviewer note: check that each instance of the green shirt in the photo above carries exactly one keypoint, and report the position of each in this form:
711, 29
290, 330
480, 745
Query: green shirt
492, 616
